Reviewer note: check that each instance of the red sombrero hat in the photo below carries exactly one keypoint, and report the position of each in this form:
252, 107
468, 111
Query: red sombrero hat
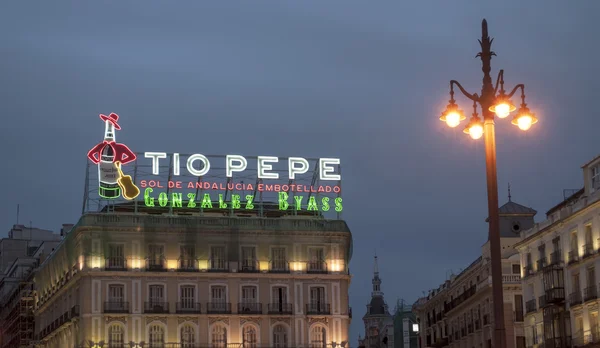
112, 118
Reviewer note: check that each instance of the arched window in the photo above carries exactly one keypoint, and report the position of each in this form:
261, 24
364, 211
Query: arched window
249, 336
219, 336
280, 337
318, 337
115, 336
188, 337
156, 336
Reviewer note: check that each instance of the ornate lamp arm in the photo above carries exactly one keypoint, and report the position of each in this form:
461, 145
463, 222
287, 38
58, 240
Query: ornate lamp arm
473, 97
499, 81
521, 86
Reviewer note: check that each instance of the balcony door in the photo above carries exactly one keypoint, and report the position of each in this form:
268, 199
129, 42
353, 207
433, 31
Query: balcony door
248, 258
218, 298
156, 254
157, 295
280, 295
278, 259
249, 298
217, 257
116, 256
187, 297
317, 298
116, 293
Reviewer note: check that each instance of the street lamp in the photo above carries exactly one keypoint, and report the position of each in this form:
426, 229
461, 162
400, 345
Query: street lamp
492, 101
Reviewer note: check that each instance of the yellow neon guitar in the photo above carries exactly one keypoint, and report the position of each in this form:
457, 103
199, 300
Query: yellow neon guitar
128, 189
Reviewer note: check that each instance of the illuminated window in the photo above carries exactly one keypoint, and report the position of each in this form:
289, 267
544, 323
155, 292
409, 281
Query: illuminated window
249, 334
280, 336
156, 336
115, 336
219, 336
188, 337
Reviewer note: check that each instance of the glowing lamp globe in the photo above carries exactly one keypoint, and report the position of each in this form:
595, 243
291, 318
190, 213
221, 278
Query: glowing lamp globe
474, 128
524, 119
502, 107
452, 115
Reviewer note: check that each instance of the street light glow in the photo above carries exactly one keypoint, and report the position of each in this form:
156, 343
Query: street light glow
453, 119
502, 110
476, 131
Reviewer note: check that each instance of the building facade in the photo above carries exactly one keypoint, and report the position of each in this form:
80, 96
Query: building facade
379, 323
561, 269
406, 334
151, 280
459, 312
20, 254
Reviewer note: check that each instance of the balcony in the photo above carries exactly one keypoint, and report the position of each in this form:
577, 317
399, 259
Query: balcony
527, 271
318, 308
249, 308
249, 266
588, 250
573, 256
187, 265
460, 299
575, 298
590, 293
555, 295
280, 308
218, 308
530, 306
279, 266
318, 266
541, 263
116, 307
156, 307
156, 264
556, 257
188, 307
218, 265
115, 263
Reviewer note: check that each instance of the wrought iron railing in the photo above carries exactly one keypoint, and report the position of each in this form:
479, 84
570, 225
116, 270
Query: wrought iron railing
318, 266
156, 264
318, 308
218, 265
249, 308
279, 266
188, 307
156, 307
249, 266
187, 265
280, 308
115, 263
218, 308
116, 307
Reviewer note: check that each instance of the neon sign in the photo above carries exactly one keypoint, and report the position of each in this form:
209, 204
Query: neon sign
109, 156
192, 181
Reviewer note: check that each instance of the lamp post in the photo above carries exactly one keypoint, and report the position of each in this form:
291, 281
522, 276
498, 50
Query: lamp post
493, 100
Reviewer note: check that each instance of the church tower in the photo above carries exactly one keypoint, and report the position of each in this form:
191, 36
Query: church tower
379, 324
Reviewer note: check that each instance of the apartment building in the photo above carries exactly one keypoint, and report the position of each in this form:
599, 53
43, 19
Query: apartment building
459, 312
561, 269
123, 279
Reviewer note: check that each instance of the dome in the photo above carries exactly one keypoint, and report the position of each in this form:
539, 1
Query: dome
377, 306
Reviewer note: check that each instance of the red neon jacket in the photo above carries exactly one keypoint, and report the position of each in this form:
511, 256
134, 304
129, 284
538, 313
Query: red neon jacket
122, 153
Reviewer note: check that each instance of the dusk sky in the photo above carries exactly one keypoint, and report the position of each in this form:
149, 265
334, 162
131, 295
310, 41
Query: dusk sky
362, 81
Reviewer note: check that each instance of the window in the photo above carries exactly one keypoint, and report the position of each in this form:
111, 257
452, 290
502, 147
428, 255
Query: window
591, 278
116, 256
219, 336
574, 241
279, 294
115, 336
187, 257
116, 298
516, 269
529, 262
249, 294
217, 258
317, 299
594, 326
218, 295
188, 337
280, 337
156, 336
521, 342
316, 259
595, 177
278, 259
248, 258
318, 337
576, 285
156, 255
156, 294
249, 336
188, 299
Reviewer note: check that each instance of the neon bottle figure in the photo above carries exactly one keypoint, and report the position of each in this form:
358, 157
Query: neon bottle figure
106, 154
107, 172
